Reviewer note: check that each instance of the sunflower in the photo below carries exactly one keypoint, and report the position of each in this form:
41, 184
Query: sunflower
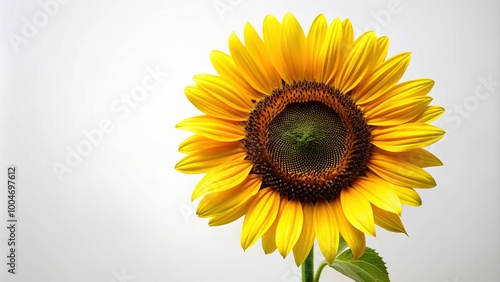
309, 137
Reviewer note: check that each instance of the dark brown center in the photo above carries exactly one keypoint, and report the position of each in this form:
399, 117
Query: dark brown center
308, 141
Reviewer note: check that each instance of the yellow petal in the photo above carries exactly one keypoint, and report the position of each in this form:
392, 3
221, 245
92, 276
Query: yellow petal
204, 160
223, 177
419, 157
198, 142
353, 237
231, 215
271, 30
293, 47
383, 78
249, 67
260, 216
347, 36
330, 55
259, 54
212, 105
405, 90
289, 227
315, 38
269, 237
400, 172
223, 201
357, 210
397, 112
226, 68
381, 50
407, 196
306, 240
353, 66
406, 137
326, 230
227, 92
388, 220
430, 114
214, 128
377, 192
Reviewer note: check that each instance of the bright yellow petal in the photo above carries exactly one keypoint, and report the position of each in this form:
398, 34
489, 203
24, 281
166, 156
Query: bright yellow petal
406, 137
249, 67
198, 143
383, 78
377, 192
330, 55
204, 160
353, 66
353, 237
407, 196
381, 50
269, 237
357, 210
315, 38
259, 54
400, 172
430, 114
289, 227
388, 220
293, 47
306, 240
326, 230
223, 177
231, 215
419, 157
214, 128
271, 30
347, 36
227, 69
260, 216
212, 105
226, 200
397, 112
404, 90
227, 92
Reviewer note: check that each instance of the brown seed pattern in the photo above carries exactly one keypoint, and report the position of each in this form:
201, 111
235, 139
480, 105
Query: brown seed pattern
312, 163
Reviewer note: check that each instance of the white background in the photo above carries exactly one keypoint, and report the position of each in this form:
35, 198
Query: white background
122, 213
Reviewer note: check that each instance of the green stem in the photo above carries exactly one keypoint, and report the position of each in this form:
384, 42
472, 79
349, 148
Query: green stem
320, 268
308, 267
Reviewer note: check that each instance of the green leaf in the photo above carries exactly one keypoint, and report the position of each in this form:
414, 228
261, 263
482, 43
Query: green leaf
368, 268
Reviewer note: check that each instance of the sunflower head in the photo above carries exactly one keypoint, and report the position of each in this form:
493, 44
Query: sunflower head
309, 137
